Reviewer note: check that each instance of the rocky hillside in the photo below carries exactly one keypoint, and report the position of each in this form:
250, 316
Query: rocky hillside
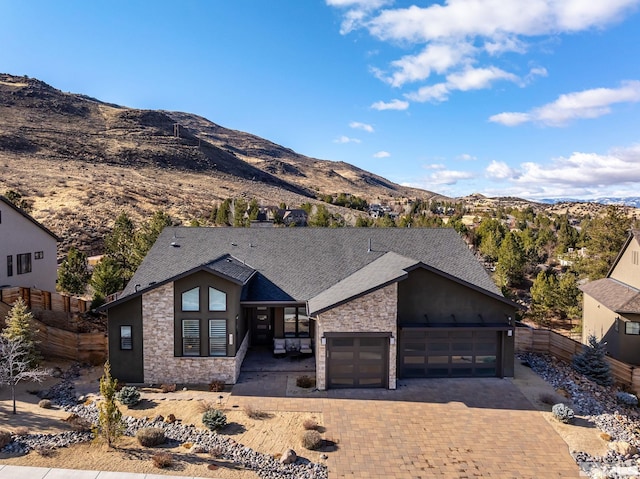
82, 161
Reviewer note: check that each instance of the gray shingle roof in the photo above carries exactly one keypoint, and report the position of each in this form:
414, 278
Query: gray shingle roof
387, 269
616, 296
230, 267
297, 264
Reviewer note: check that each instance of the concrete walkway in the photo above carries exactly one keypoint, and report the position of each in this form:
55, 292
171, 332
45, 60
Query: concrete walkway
28, 472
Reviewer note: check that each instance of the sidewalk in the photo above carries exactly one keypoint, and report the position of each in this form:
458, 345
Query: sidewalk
28, 472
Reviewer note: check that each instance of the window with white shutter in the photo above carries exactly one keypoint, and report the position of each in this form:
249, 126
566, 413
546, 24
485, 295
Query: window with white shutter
217, 337
191, 337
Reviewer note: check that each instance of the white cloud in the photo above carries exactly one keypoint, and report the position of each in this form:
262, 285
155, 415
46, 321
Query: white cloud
356, 125
450, 177
345, 139
448, 38
581, 175
466, 157
500, 170
435, 166
572, 106
392, 105
382, 154
468, 79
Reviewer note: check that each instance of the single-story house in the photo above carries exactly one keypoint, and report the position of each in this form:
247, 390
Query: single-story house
376, 304
27, 248
611, 305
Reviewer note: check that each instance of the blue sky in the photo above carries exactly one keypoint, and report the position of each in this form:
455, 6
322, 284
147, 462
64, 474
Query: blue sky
532, 98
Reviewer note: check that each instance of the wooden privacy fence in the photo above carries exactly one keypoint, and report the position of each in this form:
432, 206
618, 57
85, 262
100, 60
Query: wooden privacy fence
37, 299
561, 347
84, 347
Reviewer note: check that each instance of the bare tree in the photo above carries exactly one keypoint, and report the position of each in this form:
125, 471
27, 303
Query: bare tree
15, 365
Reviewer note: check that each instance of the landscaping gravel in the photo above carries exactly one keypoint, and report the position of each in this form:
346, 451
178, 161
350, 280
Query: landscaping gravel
62, 394
599, 405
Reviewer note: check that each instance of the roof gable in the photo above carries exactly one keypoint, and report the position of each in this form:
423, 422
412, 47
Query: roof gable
26, 215
614, 295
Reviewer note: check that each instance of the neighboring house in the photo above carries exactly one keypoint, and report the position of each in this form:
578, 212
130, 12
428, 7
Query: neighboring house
611, 308
28, 250
378, 304
295, 217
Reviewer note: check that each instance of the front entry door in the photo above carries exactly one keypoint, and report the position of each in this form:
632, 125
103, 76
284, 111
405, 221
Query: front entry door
262, 330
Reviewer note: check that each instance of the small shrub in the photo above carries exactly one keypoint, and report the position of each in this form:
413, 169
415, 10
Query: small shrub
21, 431
205, 405
162, 460
216, 452
627, 398
591, 362
79, 424
128, 395
304, 381
168, 388
187, 445
216, 386
254, 413
5, 438
150, 436
214, 419
45, 451
44, 404
310, 425
311, 440
605, 437
563, 413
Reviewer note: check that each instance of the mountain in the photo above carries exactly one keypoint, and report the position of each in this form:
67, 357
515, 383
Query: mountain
82, 161
633, 201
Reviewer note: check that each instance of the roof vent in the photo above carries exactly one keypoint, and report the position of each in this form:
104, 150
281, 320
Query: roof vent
136, 287
175, 244
369, 249
233, 243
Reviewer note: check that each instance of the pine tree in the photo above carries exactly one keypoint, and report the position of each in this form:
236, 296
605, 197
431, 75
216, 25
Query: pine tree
19, 327
106, 278
119, 245
73, 273
511, 260
591, 362
146, 236
110, 425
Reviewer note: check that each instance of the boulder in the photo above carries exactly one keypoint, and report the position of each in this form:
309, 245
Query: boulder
623, 448
288, 457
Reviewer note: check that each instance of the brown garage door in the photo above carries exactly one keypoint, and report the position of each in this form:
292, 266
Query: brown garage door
357, 362
448, 353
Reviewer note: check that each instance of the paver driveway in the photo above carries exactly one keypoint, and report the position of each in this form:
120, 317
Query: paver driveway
435, 428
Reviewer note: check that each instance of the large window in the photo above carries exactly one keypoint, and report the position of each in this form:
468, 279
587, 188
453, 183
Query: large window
632, 327
191, 337
296, 322
217, 337
217, 300
24, 263
9, 265
191, 300
125, 337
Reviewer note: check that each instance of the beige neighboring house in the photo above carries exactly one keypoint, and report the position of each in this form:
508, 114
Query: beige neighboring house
612, 305
28, 250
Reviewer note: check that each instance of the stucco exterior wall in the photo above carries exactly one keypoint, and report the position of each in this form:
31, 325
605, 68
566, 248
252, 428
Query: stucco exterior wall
626, 270
375, 312
160, 364
19, 235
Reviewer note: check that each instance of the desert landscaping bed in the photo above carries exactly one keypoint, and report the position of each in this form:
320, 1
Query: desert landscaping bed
248, 447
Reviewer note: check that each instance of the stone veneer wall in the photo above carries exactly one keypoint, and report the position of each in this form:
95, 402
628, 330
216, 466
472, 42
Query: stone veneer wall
375, 312
160, 364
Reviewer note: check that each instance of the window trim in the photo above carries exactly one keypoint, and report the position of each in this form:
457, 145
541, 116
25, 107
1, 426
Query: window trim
38, 255
182, 303
224, 294
636, 327
24, 263
126, 341
196, 350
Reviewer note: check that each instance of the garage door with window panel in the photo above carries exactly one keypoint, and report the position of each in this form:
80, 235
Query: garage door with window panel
357, 362
449, 353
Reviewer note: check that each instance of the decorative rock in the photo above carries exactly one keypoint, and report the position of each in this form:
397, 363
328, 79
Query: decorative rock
170, 419
158, 418
288, 457
199, 449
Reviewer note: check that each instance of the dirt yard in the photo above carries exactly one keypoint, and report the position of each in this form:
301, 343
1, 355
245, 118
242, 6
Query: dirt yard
271, 434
